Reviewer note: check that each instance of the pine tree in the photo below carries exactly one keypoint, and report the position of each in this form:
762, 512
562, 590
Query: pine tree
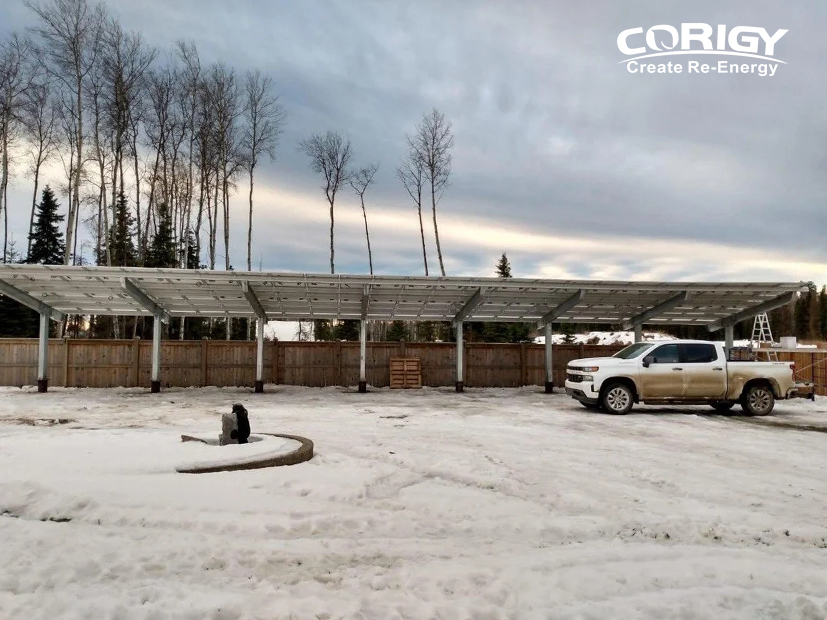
161, 251
47, 247
398, 332
120, 237
503, 267
822, 313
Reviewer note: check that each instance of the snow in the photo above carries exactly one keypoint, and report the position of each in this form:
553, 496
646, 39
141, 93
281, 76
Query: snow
418, 504
604, 338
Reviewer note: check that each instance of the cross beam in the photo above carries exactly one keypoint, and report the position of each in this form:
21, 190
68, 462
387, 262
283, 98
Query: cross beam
672, 302
30, 302
748, 313
253, 300
131, 289
564, 307
468, 308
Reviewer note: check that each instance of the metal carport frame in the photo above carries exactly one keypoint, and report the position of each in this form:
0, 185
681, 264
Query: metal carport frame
55, 291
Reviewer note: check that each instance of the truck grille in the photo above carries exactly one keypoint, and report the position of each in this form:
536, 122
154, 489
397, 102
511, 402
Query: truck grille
575, 378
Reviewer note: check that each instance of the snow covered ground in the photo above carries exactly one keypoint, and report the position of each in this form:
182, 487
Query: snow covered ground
423, 504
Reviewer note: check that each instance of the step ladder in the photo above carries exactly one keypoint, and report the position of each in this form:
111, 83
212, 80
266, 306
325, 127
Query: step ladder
761, 333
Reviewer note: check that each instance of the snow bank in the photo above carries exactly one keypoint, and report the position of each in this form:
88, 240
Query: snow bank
418, 504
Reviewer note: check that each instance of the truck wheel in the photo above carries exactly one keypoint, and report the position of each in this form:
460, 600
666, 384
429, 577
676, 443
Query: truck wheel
758, 400
723, 407
618, 399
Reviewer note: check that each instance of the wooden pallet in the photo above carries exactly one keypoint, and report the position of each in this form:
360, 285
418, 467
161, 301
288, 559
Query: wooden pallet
406, 373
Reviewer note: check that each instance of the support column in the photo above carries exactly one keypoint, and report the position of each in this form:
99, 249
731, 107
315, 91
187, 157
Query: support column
363, 338
259, 356
155, 379
43, 355
729, 337
638, 333
460, 350
549, 360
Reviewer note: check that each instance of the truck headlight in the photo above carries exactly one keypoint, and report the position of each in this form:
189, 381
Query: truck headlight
590, 369
587, 378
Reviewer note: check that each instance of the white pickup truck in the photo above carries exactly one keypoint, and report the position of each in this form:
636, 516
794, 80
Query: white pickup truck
679, 372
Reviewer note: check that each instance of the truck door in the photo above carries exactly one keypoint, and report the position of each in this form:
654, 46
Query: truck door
705, 374
664, 376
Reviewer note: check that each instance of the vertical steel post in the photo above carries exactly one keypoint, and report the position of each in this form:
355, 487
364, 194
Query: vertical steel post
549, 360
155, 379
43, 355
259, 355
638, 333
729, 336
363, 338
460, 376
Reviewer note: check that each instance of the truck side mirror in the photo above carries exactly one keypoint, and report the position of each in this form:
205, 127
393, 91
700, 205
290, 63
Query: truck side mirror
648, 360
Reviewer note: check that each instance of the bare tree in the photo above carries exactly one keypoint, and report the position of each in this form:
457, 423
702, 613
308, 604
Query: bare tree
411, 173
17, 75
191, 83
432, 143
71, 33
40, 118
265, 119
360, 181
329, 155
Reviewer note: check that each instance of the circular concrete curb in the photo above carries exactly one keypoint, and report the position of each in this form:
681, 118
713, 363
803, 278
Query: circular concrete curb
299, 455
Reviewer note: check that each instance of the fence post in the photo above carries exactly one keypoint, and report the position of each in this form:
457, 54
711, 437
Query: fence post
136, 360
66, 362
204, 355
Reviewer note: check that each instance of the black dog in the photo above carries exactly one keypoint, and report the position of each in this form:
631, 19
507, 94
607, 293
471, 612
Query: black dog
243, 423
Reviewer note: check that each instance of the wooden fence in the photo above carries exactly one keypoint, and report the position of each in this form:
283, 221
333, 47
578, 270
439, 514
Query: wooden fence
111, 363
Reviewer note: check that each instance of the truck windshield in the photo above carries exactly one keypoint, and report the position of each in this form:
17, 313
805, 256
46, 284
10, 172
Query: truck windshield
633, 350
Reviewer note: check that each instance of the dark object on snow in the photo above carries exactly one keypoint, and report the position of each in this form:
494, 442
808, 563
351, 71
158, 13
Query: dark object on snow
243, 427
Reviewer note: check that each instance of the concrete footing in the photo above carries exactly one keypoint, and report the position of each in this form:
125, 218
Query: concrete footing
459, 386
154, 387
42, 385
549, 387
259, 388
363, 386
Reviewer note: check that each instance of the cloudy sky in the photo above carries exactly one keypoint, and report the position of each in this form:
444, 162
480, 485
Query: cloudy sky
563, 159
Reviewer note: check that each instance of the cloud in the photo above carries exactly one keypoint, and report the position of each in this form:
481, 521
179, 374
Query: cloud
563, 159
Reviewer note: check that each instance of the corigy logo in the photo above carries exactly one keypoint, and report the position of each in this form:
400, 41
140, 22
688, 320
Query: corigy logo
700, 39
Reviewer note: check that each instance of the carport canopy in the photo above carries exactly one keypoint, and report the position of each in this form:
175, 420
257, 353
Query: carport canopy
56, 291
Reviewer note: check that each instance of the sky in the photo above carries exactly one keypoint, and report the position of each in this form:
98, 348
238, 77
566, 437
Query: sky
563, 159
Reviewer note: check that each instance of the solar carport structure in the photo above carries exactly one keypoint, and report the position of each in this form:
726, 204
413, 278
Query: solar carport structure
165, 294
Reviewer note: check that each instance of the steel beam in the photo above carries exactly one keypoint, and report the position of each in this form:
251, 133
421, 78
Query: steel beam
672, 302
30, 302
638, 333
468, 308
729, 338
748, 313
43, 355
131, 289
549, 360
252, 299
363, 337
155, 378
564, 307
259, 387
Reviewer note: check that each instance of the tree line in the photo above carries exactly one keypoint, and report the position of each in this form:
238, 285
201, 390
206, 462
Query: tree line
151, 146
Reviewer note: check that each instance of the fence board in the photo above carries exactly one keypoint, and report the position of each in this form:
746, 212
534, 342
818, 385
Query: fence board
110, 363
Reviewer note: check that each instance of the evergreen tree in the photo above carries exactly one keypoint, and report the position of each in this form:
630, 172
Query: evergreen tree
322, 331
503, 267
346, 330
398, 332
822, 313
47, 245
120, 237
161, 251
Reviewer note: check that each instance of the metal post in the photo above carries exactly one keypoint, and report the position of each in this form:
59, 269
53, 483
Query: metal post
549, 365
363, 338
155, 380
729, 336
638, 333
43, 355
259, 356
460, 377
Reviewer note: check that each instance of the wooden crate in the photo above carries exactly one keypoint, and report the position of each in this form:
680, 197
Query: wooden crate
406, 372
